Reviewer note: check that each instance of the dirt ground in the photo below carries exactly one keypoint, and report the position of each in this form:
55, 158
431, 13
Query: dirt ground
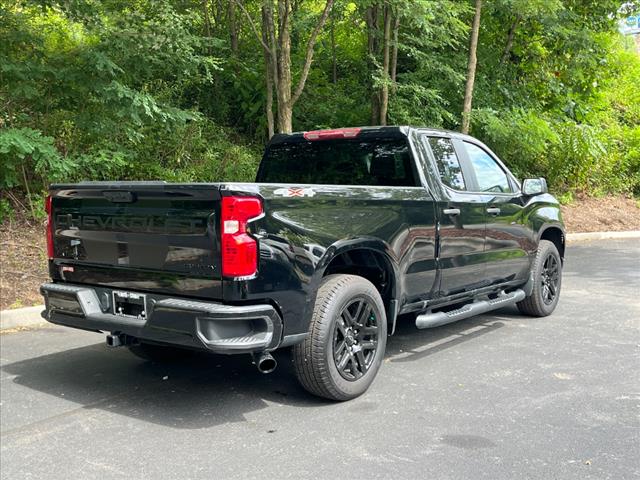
23, 246
604, 214
24, 263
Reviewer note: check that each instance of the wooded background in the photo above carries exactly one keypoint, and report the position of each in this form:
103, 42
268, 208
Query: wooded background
191, 90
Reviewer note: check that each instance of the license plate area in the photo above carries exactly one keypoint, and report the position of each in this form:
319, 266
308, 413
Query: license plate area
128, 304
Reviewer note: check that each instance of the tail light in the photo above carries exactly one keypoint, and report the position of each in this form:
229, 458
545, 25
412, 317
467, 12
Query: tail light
331, 134
47, 207
239, 249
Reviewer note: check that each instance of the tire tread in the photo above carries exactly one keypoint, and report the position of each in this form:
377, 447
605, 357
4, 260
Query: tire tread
309, 356
533, 304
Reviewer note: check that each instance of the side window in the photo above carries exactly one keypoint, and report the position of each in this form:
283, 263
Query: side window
489, 175
447, 161
390, 164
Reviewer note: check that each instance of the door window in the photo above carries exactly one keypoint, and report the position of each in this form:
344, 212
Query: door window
447, 161
489, 175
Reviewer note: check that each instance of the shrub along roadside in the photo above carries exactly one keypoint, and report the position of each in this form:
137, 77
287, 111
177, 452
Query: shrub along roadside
595, 151
196, 152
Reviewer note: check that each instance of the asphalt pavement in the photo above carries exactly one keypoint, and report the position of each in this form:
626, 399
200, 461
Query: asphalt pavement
501, 396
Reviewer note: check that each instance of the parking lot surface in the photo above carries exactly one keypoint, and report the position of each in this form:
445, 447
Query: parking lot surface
500, 396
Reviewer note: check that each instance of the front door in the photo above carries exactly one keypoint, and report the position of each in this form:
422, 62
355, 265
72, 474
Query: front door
462, 224
508, 239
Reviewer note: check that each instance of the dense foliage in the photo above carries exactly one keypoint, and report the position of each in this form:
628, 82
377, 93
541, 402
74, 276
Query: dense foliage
177, 89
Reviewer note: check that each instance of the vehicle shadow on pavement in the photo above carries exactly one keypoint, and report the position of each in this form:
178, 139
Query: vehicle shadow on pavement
204, 390
201, 392
410, 344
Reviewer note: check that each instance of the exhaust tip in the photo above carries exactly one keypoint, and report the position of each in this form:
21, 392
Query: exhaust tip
265, 363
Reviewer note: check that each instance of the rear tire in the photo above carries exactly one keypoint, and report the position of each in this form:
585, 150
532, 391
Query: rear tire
547, 280
159, 353
345, 347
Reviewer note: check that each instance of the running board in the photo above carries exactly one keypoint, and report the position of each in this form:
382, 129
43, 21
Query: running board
431, 320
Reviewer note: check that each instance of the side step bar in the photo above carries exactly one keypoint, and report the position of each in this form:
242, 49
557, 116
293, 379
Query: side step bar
431, 320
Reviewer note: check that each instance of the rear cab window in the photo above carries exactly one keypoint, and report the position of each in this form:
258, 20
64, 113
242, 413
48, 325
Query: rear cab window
354, 161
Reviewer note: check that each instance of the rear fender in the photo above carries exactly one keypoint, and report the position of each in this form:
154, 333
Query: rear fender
364, 243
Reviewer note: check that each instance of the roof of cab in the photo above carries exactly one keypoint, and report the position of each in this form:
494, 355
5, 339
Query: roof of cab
368, 131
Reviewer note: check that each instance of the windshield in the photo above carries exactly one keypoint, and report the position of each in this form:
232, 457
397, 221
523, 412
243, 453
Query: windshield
340, 162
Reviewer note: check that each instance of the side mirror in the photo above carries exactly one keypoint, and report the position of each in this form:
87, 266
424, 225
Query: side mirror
534, 186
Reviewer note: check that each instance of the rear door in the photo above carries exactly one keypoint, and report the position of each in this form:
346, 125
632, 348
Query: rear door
148, 236
462, 223
508, 238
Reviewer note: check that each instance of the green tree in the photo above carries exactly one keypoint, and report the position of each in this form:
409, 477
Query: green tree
190, 90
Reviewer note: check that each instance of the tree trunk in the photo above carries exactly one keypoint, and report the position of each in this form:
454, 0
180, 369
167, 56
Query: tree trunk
233, 29
286, 97
218, 13
394, 52
271, 43
277, 57
309, 53
267, 19
207, 24
207, 19
509, 45
371, 17
283, 89
384, 90
471, 69
334, 63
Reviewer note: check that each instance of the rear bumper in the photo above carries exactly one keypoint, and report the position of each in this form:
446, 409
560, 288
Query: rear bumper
209, 326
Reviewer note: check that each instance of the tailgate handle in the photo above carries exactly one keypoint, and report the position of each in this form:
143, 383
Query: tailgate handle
119, 197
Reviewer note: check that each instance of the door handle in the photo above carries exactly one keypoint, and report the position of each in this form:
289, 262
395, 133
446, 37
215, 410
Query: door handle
493, 211
451, 211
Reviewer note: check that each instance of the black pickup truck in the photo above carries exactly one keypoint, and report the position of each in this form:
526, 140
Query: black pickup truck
344, 231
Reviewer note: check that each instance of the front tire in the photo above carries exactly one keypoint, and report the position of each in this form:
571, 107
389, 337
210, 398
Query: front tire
547, 280
347, 338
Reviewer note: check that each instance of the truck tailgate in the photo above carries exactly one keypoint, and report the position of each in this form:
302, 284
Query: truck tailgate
150, 236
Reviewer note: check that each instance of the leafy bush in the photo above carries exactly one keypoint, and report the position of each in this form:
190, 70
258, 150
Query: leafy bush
523, 139
590, 145
6, 210
25, 150
576, 157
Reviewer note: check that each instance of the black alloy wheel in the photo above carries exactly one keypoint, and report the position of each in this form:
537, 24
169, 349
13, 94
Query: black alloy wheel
550, 278
355, 339
546, 274
344, 349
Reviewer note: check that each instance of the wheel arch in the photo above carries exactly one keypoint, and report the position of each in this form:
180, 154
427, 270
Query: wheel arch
556, 235
369, 258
